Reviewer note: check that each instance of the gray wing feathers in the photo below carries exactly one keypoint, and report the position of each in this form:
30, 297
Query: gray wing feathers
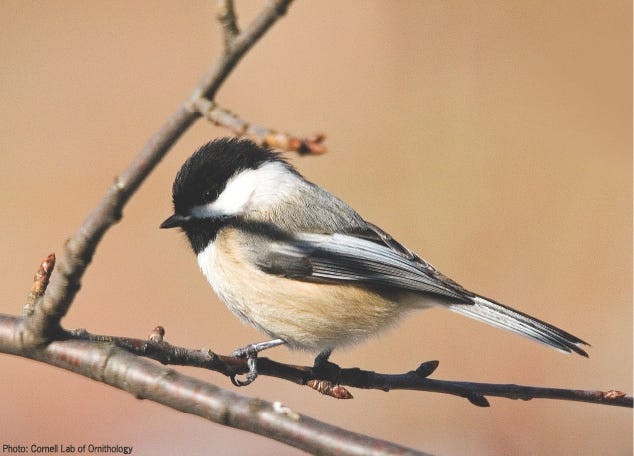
345, 258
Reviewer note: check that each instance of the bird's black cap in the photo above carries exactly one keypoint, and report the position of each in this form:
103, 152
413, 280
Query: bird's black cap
204, 175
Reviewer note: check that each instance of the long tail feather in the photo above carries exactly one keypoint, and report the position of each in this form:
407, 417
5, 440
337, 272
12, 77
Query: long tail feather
504, 317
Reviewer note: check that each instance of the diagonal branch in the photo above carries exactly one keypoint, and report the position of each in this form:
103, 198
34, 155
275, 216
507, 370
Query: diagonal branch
44, 323
211, 82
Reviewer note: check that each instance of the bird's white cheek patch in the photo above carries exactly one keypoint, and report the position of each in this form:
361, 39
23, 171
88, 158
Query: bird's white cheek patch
259, 188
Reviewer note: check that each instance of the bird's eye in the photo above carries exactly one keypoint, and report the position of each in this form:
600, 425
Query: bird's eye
210, 195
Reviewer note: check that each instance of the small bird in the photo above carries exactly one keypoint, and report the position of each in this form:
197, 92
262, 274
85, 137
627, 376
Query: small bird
301, 266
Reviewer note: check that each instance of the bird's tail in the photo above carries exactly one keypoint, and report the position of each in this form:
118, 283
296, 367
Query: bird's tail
504, 317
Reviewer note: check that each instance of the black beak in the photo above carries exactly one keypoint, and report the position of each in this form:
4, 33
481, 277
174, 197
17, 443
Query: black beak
175, 220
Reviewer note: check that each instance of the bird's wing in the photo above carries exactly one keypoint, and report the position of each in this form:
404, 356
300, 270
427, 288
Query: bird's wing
376, 234
350, 258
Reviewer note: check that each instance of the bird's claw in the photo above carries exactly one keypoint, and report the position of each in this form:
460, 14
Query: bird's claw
252, 362
250, 352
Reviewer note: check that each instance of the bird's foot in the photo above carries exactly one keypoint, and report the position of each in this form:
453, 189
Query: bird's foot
250, 352
322, 359
323, 368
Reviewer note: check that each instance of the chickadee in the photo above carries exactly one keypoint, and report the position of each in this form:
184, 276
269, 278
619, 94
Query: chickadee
303, 267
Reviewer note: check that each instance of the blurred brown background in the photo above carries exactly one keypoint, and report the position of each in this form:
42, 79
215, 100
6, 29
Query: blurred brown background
494, 138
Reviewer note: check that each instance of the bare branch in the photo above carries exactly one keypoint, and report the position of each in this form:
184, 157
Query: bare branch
261, 135
329, 378
226, 15
44, 324
208, 87
144, 379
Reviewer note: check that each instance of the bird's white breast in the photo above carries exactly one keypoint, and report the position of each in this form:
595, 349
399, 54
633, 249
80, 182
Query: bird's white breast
212, 268
307, 315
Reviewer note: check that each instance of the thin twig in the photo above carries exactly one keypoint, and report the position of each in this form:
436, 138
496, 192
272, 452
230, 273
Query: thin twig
328, 377
207, 88
226, 15
261, 135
